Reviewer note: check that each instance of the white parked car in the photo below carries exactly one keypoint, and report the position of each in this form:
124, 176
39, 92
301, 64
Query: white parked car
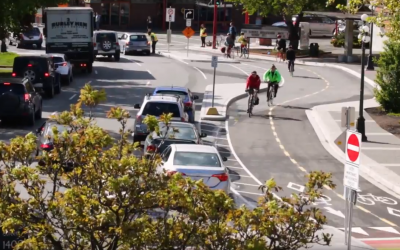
319, 25
197, 162
63, 67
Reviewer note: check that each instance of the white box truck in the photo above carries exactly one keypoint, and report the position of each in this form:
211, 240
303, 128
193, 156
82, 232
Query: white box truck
69, 31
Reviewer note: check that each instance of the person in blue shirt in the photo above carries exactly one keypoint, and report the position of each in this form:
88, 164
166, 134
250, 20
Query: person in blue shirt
232, 31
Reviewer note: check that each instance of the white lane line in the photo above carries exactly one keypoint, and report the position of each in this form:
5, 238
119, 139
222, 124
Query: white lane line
246, 73
245, 184
201, 72
215, 137
231, 159
221, 145
149, 72
234, 167
95, 72
138, 64
72, 97
244, 192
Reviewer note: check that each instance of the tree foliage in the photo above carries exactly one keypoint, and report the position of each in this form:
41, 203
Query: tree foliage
19, 14
114, 200
388, 77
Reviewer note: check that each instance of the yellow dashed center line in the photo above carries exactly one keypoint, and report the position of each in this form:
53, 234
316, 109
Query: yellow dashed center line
327, 84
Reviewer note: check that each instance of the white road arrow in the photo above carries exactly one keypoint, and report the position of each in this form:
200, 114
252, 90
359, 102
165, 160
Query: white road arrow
335, 212
187, 13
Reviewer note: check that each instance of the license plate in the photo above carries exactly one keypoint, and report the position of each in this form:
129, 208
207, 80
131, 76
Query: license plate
139, 50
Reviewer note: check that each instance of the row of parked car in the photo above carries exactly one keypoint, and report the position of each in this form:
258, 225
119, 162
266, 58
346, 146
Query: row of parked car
21, 92
180, 144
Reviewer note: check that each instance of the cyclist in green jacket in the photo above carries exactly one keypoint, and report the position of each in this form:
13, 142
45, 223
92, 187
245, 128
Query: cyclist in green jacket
273, 78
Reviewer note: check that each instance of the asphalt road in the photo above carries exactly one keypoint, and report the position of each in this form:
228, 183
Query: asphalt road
288, 148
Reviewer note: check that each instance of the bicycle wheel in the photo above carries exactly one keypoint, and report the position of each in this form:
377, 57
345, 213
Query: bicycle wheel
365, 201
246, 54
271, 98
387, 201
250, 105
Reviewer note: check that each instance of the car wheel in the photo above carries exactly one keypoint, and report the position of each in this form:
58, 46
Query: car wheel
109, 56
71, 77
58, 88
38, 114
50, 91
117, 56
39, 46
30, 74
31, 119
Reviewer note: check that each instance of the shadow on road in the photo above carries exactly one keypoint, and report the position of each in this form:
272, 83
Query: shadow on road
106, 74
293, 107
307, 77
13, 128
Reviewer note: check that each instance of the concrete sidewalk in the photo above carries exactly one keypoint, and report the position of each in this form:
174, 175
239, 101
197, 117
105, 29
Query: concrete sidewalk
195, 57
226, 94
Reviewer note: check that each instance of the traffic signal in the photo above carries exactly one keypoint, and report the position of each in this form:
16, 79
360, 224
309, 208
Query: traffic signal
218, 3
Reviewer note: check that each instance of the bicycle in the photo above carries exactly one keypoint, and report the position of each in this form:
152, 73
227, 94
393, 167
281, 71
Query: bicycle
270, 98
245, 52
363, 199
232, 55
250, 102
279, 56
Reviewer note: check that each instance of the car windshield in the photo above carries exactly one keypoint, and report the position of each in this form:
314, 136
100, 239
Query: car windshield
60, 128
180, 133
182, 94
32, 32
138, 38
105, 36
196, 159
10, 87
157, 109
57, 59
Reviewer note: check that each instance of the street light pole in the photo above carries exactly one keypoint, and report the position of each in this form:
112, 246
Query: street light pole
215, 25
361, 119
370, 64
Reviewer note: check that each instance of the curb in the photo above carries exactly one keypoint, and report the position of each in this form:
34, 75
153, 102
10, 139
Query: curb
206, 60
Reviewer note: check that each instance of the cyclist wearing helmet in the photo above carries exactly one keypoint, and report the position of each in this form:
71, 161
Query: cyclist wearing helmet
243, 41
253, 86
273, 78
291, 57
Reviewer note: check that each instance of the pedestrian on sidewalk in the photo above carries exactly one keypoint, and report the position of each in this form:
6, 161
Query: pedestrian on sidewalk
229, 43
203, 35
97, 18
154, 41
149, 23
233, 32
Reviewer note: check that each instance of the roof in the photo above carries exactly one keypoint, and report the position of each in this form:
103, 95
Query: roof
339, 15
105, 31
51, 54
194, 148
177, 88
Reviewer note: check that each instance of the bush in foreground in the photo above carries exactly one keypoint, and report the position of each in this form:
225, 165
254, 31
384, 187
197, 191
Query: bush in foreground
113, 200
388, 78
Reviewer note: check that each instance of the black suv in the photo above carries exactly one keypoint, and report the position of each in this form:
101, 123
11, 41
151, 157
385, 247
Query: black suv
40, 71
19, 99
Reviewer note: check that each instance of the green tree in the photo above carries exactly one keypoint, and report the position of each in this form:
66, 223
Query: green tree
388, 77
286, 9
17, 15
113, 200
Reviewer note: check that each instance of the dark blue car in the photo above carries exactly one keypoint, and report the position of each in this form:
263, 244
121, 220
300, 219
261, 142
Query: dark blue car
186, 95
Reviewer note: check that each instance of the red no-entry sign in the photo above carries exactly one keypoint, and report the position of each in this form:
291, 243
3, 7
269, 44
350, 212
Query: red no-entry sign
353, 147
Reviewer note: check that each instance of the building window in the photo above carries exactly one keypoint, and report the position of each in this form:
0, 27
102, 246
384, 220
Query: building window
125, 14
105, 13
115, 14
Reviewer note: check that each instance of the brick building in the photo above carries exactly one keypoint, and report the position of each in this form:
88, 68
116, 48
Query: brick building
132, 14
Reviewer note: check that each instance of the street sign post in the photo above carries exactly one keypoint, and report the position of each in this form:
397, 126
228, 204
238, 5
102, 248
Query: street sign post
189, 14
188, 32
351, 170
214, 64
188, 22
170, 18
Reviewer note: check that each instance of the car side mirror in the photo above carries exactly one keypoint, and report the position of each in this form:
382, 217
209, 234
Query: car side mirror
136, 106
202, 135
196, 97
224, 158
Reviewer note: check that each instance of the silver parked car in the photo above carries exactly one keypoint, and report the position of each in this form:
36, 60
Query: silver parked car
134, 43
319, 25
197, 162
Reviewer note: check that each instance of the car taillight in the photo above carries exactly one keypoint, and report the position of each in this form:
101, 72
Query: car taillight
64, 64
94, 44
171, 173
13, 75
45, 146
83, 64
6, 83
188, 104
117, 44
29, 65
151, 148
139, 119
26, 97
46, 74
221, 177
